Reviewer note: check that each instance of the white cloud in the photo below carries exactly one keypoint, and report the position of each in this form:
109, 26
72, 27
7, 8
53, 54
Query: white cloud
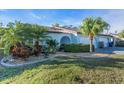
114, 17
35, 16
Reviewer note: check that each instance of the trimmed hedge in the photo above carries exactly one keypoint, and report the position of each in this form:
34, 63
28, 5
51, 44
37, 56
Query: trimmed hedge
120, 44
77, 48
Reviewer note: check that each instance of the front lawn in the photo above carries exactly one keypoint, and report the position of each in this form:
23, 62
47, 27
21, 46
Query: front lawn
68, 70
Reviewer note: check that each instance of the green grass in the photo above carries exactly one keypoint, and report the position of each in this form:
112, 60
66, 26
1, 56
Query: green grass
66, 70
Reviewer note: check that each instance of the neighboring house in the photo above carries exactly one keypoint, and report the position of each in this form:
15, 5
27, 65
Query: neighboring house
69, 36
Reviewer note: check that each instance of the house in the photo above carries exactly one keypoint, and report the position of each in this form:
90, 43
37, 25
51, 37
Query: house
69, 36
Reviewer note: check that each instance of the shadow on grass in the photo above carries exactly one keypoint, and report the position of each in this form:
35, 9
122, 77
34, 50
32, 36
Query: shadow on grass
88, 63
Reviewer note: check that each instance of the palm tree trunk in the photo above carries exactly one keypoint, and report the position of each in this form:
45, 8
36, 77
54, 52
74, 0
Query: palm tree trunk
36, 48
91, 45
91, 42
36, 43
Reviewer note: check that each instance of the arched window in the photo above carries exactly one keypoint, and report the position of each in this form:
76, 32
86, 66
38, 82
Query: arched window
65, 40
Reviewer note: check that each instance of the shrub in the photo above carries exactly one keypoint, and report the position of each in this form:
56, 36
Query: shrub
21, 52
77, 48
120, 44
52, 45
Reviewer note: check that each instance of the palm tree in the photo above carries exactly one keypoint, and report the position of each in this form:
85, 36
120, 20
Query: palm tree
39, 33
1, 29
92, 26
9, 38
25, 31
32, 32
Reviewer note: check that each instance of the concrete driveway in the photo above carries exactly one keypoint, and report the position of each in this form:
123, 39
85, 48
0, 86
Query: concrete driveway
111, 50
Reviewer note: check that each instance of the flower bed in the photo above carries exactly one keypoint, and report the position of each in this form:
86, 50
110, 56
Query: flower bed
10, 62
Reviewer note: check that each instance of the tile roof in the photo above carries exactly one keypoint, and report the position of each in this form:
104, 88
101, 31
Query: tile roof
61, 30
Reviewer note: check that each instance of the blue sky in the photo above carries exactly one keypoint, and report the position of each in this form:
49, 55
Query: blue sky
64, 17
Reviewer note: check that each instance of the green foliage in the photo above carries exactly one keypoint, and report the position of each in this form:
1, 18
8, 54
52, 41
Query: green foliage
32, 31
1, 29
121, 34
67, 70
76, 48
93, 25
52, 45
9, 37
21, 32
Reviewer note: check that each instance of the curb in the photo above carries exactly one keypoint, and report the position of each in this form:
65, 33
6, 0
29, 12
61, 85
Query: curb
24, 64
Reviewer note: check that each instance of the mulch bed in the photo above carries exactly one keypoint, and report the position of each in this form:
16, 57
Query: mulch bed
27, 60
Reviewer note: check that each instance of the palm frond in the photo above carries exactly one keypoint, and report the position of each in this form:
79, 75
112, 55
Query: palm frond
93, 25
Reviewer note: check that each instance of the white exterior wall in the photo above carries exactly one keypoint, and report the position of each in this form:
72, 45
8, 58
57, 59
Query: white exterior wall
96, 40
104, 39
83, 39
79, 39
86, 40
58, 36
74, 38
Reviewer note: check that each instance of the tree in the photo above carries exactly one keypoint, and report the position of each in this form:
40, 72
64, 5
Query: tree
9, 38
91, 26
1, 29
25, 30
121, 34
39, 34
32, 32
17, 34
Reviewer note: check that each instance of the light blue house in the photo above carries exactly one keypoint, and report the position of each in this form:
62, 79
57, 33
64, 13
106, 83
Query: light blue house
68, 36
